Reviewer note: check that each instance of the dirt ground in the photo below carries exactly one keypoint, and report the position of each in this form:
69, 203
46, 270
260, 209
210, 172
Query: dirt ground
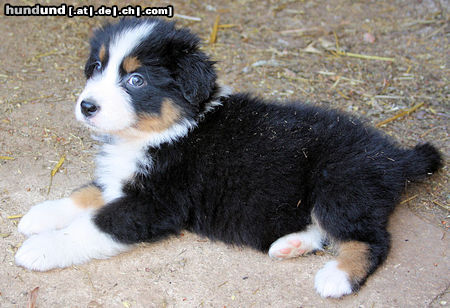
280, 50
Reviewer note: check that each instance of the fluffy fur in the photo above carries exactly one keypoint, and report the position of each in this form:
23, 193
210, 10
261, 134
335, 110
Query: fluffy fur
180, 154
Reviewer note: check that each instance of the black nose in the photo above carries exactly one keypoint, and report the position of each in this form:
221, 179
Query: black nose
88, 108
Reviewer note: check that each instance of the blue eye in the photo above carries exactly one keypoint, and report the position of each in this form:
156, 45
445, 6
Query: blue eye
97, 65
136, 80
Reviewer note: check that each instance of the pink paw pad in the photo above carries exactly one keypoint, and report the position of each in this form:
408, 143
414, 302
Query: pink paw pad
286, 249
296, 244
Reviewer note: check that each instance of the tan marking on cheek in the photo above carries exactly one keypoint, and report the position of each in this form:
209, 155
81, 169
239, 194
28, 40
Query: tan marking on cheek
102, 53
354, 259
130, 64
157, 123
88, 197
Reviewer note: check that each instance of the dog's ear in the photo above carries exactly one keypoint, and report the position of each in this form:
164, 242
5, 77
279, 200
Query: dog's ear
191, 68
195, 76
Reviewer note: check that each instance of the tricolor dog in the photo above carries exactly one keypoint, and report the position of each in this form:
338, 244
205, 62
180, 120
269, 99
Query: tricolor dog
181, 153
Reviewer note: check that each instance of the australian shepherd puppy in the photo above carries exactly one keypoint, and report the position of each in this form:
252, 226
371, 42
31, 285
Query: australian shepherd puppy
179, 152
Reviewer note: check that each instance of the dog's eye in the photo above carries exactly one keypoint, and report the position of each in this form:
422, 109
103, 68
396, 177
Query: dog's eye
97, 65
136, 80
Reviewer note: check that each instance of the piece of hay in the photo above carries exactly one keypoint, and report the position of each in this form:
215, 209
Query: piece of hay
7, 158
54, 170
409, 199
213, 37
360, 56
399, 115
33, 298
15, 216
187, 17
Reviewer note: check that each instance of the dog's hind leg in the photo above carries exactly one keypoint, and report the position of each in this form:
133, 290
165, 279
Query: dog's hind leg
362, 240
297, 244
357, 226
355, 262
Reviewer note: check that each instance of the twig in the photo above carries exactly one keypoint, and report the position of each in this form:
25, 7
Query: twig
15, 216
342, 94
399, 115
326, 73
429, 131
337, 40
223, 283
304, 31
226, 26
422, 22
351, 80
45, 54
54, 170
409, 199
389, 96
213, 37
7, 158
58, 165
367, 57
29, 99
33, 297
447, 208
187, 17
436, 32
336, 82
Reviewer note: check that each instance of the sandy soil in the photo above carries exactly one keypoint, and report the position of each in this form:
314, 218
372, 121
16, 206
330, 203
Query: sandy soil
267, 51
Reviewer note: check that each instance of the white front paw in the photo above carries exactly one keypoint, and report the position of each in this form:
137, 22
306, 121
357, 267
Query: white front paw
77, 243
41, 252
332, 282
48, 215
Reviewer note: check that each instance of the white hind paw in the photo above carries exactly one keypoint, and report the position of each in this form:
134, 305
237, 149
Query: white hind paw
332, 282
296, 244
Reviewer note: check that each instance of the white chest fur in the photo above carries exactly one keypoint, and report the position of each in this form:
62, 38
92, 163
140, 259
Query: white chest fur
119, 161
116, 164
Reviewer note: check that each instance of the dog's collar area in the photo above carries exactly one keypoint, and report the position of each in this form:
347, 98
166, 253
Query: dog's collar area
217, 100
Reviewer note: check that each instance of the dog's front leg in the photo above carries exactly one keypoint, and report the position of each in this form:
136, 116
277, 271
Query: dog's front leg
57, 214
77, 243
62, 232
99, 234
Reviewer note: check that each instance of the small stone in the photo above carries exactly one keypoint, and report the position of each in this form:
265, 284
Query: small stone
369, 38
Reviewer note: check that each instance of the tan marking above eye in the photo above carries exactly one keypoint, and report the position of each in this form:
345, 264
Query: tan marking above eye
130, 64
88, 197
102, 53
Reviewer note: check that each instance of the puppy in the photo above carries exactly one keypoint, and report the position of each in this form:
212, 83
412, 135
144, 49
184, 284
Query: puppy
180, 153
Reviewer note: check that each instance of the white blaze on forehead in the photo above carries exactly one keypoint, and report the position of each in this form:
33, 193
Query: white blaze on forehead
116, 111
123, 44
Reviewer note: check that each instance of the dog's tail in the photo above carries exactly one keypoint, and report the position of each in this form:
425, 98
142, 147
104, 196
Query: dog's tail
421, 161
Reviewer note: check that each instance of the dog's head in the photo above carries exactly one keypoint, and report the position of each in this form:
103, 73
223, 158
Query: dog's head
144, 75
